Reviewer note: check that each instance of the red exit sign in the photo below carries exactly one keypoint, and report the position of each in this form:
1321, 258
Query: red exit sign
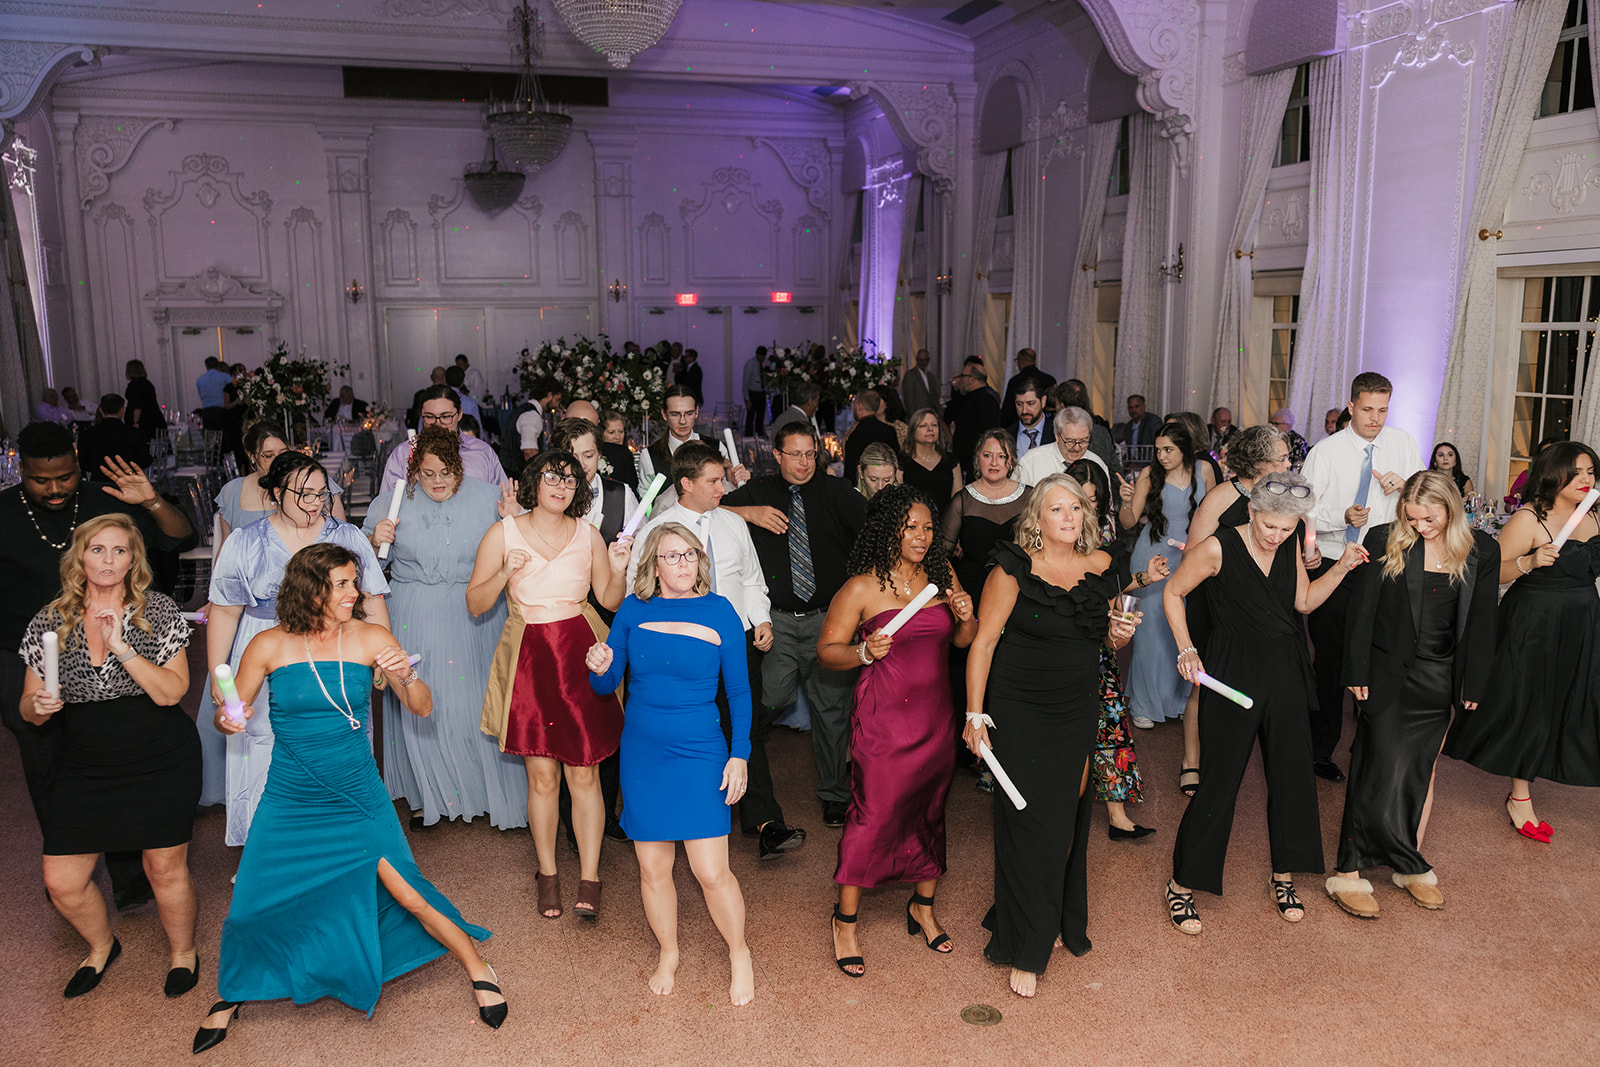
688, 300
783, 298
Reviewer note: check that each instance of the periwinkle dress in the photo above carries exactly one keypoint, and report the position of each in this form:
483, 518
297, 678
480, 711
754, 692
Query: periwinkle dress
1155, 688
309, 918
246, 574
442, 764
903, 748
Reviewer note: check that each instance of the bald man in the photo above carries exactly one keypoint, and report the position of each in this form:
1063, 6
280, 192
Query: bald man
623, 468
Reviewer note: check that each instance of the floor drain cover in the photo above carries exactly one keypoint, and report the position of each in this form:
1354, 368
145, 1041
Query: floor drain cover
980, 1015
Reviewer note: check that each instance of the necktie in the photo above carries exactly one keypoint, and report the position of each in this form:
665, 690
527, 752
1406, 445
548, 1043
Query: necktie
1033, 438
1353, 533
800, 572
1133, 435
711, 557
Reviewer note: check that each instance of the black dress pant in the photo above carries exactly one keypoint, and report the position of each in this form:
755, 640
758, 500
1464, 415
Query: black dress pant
760, 804
755, 414
1326, 626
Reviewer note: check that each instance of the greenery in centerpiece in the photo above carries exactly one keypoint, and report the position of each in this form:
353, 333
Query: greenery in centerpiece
290, 390
623, 381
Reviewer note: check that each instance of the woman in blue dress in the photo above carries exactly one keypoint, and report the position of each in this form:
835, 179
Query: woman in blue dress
243, 501
443, 765
244, 591
679, 778
329, 901
1164, 498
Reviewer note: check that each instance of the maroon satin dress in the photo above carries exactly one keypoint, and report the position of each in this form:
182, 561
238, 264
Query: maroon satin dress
903, 743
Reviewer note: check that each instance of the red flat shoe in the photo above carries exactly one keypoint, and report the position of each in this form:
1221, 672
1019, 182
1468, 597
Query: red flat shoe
1534, 832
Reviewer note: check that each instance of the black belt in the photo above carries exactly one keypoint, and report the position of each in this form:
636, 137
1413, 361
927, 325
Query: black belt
801, 614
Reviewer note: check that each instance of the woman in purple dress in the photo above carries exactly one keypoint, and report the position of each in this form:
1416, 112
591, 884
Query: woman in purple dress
903, 726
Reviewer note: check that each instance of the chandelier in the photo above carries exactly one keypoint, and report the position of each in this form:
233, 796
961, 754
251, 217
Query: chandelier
491, 188
618, 29
529, 131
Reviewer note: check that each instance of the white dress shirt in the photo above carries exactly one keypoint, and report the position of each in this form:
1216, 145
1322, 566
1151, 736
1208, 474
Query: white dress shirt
530, 424
1334, 470
736, 572
1042, 462
597, 512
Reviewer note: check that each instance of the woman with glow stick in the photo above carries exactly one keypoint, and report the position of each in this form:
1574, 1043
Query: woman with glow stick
902, 722
1539, 716
1035, 665
1257, 645
130, 770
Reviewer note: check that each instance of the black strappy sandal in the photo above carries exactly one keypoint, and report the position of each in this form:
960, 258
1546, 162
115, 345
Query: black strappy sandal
848, 961
1287, 900
914, 927
1181, 910
1189, 789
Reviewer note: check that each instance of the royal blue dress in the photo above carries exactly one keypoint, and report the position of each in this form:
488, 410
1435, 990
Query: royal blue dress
309, 918
673, 750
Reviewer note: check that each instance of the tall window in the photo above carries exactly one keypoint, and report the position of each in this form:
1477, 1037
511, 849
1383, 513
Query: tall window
1559, 318
1568, 86
1119, 162
1007, 198
1285, 328
1294, 142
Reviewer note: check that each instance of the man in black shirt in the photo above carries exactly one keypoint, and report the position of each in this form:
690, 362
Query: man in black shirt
109, 436
803, 524
869, 429
37, 519
974, 408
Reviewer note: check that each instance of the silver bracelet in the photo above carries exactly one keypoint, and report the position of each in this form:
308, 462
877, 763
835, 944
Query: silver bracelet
126, 656
1524, 570
861, 653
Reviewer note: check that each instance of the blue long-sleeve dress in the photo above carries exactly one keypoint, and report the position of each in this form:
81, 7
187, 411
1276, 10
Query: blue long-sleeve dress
673, 749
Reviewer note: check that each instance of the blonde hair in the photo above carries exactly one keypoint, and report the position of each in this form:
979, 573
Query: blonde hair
68, 606
1430, 489
1028, 534
645, 583
876, 454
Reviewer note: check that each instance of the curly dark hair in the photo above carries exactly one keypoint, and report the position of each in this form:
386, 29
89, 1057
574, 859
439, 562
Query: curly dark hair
1086, 473
1552, 470
562, 463
877, 548
443, 445
303, 594
1179, 435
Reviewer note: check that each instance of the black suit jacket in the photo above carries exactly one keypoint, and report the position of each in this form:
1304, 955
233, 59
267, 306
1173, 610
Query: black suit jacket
1008, 403
870, 430
1381, 636
1048, 437
358, 409
1148, 427
106, 438
970, 414
692, 376
624, 468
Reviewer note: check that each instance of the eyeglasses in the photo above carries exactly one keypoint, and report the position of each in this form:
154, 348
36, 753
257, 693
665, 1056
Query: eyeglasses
799, 455
1299, 492
451, 417
566, 481
672, 559
681, 416
313, 496
1075, 442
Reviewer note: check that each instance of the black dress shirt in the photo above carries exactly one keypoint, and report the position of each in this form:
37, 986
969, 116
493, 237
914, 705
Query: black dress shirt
834, 514
870, 430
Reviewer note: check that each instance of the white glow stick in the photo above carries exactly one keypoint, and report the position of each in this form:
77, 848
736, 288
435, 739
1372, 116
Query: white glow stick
1578, 513
1225, 690
1311, 539
651, 492
1001, 776
733, 450
1179, 545
216, 534
232, 706
52, 663
903, 616
411, 435
199, 618
414, 659
394, 513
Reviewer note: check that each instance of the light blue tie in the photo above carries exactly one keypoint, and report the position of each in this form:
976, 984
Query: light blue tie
1353, 533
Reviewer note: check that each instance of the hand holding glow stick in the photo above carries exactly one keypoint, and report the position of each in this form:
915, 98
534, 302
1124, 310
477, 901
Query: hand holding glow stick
394, 513
1179, 545
411, 435
1589, 500
232, 706
52, 663
657, 483
1202, 678
903, 616
1001, 776
733, 449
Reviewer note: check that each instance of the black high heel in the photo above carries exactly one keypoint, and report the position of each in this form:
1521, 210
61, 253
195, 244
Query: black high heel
86, 977
848, 961
208, 1037
492, 1014
914, 927
180, 979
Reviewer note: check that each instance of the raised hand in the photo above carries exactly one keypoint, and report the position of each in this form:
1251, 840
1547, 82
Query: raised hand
1124, 489
516, 559
598, 658
111, 630
132, 486
507, 505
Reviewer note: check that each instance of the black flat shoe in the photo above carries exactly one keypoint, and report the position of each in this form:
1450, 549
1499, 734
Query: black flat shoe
848, 961
776, 838
181, 980
417, 823
833, 813
1117, 833
210, 1037
492, 1014
87, 977
914, 927
615, 832
1326, 768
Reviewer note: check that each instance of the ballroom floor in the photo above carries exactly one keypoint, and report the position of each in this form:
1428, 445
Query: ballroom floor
1510, 971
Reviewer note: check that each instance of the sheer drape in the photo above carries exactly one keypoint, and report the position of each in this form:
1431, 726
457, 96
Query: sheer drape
1587, 426
1143, 248
1265, 98
850, 286
21, 379
1024, 260
994, 172
1100, 151
904, 346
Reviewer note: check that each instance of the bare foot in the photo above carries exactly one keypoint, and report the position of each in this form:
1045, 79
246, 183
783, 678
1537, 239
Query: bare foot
666, 973
1059, 943
742, 990
1024, 983
845, 945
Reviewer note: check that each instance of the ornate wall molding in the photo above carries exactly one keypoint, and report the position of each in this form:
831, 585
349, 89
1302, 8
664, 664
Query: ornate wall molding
1409, 17
655, 249
400, 249
439, 9
1158, 42
116, 276
1566, 186
731, 190
462, 268
1419, 51
921, 114
104, 144
207, 178
303, 235
29, 68
1061, 129
572, 249
809, 163
810, 242
889, 179
1289, 215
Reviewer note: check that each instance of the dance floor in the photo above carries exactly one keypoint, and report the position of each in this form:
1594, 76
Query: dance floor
1508, 972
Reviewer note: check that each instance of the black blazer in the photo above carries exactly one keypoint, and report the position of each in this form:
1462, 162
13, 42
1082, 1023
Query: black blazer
624, 468
1381, 636
358, 409
869, 431
1014, 428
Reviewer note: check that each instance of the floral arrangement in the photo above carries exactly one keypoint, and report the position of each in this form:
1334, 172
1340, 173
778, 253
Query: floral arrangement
847, 371
625, 381
787, 367
289, 389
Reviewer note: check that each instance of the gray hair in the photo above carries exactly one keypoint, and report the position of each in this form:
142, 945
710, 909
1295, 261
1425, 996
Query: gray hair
1071, 416
1252, 450
1272, 496
1284, 415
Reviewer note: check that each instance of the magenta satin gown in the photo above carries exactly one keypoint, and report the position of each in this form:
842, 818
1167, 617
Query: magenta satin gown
903, 743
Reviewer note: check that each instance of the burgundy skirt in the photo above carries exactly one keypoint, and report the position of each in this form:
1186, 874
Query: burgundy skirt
554, 713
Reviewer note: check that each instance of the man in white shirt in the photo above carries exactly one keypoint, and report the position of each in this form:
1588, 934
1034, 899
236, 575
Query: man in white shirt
546, 393
442, 408
471, 376
681, 409
698, 481
1357, 475
1073, 430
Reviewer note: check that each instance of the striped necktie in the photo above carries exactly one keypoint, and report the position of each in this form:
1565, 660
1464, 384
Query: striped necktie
801, 574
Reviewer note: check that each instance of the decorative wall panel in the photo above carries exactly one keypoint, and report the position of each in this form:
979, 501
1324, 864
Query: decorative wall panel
207, 221
118, 283
654, 249
471, 247
307, 284
572, 249
732, 233
400, 249
810, 250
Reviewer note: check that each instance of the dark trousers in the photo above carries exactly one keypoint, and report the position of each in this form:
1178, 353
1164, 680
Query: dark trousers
755, 414
760, 804
40, 748
1326, 626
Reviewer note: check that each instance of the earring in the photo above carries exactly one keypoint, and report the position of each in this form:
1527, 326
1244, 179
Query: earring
1038, 541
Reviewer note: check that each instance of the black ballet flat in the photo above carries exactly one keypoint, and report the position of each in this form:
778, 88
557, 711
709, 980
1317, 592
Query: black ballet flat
180, 980
1117, 833
848, 961
914, 927
208, 1037
492, 1014
86, 978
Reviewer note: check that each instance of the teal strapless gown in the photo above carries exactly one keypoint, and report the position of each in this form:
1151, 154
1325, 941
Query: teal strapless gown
309, 918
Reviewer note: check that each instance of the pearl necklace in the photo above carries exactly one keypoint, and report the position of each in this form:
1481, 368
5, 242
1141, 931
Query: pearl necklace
36, 529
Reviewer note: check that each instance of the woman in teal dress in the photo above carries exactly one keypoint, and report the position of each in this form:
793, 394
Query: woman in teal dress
328, 900
443, 765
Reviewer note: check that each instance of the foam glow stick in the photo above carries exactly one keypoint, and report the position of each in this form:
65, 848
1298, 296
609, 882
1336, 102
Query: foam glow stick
1001, 776
1589, 500
52, 663
232, 706
1179, 545
394, 513
216, 535
1311, 539
199, 618
903, 616
733, 450
411, 435
651, 492
414, 659
1226, 690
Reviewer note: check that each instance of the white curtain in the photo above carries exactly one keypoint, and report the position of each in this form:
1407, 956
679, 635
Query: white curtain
1024, 258
1529, 43
1587, 426
994, 172
1321, 372
1143, 247
1100, 150
849, 284
1265, 98
903, 346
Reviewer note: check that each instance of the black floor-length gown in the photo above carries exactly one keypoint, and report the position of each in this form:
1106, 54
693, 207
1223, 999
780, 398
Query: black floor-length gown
1044, 697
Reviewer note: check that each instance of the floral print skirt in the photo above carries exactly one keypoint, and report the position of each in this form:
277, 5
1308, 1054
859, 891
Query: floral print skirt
1116, 768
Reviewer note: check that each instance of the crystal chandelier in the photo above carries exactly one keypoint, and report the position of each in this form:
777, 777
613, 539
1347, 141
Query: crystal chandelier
618, 29
491, 188
529, 131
